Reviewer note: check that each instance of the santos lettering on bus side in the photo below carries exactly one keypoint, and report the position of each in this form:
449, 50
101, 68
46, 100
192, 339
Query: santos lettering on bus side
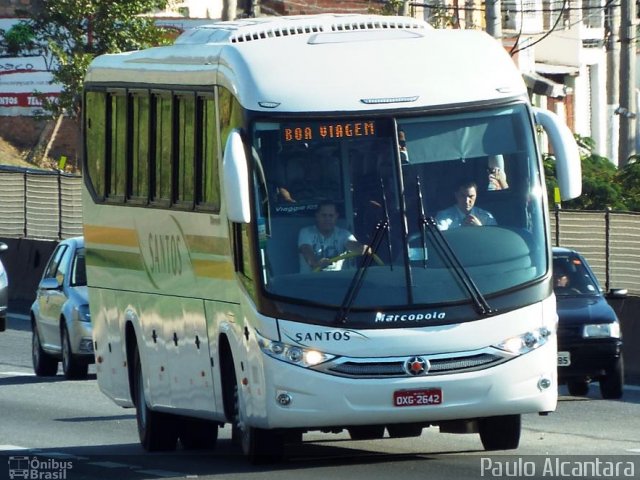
165, 252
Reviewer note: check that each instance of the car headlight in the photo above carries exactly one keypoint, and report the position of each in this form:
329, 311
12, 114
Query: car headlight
601, 330
526, 342
82, 313
293, 354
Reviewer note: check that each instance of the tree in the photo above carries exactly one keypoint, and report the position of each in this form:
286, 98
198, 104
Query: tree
73, 32
629, 180
601, 185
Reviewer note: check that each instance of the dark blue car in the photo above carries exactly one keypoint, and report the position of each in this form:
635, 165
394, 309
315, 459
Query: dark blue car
589, 336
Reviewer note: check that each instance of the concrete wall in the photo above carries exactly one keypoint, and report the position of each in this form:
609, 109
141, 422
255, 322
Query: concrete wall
25, 261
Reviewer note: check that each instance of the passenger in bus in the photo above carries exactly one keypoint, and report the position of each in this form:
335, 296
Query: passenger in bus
320, 243
497, 175
464, 213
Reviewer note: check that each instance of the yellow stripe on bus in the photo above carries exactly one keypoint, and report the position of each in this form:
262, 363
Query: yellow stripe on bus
212, 269
124, 237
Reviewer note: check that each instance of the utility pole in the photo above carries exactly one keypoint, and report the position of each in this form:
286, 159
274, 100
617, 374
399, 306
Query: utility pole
493, 18
627, 109
612, 27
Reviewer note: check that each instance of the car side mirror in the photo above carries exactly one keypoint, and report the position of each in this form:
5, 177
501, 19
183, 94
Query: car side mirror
618, 293
49, 284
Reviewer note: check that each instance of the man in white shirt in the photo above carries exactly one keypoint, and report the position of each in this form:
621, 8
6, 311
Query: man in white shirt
464, 213
319, 243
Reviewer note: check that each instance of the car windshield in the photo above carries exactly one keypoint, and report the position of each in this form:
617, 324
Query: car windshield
78, 272
573, 277
326, 188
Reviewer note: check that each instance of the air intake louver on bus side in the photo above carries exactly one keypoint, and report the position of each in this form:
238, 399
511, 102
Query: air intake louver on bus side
258, 32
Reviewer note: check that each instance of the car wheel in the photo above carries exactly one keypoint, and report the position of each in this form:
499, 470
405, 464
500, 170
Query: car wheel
578, 388
72, 367
44, 365
157, 430
500, 433
612, 383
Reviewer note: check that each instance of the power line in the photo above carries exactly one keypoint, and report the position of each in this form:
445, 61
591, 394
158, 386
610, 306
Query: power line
549, 32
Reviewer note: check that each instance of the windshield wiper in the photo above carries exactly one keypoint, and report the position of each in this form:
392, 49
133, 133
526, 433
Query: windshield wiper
381, 229
450, 257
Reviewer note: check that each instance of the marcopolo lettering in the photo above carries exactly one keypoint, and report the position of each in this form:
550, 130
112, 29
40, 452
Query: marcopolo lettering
408, 317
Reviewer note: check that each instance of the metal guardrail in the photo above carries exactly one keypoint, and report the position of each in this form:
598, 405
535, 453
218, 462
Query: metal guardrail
47, 205
40, 204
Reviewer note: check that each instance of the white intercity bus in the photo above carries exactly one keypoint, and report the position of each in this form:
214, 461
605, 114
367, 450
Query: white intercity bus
203, 161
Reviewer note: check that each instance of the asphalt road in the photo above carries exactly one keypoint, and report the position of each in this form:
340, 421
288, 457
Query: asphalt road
54, 426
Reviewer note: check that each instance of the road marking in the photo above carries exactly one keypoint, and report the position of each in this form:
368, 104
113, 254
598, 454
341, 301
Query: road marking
108, 464
161, 473
18, 374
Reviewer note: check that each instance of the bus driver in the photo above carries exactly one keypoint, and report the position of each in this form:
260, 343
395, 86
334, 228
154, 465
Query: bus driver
319, 243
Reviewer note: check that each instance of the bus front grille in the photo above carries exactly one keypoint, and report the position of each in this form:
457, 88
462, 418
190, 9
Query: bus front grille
398, 366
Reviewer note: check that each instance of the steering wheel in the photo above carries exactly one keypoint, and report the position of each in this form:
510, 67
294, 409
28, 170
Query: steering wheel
347, 255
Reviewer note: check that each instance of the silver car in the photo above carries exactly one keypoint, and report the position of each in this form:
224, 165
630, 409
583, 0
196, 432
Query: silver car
60, 319
4, 291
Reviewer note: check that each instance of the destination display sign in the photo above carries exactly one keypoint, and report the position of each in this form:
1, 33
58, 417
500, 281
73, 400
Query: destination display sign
319, 131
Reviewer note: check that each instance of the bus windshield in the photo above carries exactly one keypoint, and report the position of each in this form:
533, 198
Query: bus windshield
440, 198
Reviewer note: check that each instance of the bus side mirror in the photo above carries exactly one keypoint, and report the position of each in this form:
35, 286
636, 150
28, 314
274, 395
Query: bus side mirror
565, 150
236, 179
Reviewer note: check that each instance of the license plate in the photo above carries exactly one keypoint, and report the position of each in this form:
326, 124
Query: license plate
416, 398
564, 359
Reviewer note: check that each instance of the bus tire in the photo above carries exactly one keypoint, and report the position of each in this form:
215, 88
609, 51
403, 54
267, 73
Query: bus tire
259, 445
157, 430
198, 434
500, 433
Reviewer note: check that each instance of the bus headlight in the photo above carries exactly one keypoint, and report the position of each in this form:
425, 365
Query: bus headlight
293, 354
526, 342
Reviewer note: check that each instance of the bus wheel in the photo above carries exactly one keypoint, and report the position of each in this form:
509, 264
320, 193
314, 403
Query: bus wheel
260, 446
157, 431
198, 434
500, 433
